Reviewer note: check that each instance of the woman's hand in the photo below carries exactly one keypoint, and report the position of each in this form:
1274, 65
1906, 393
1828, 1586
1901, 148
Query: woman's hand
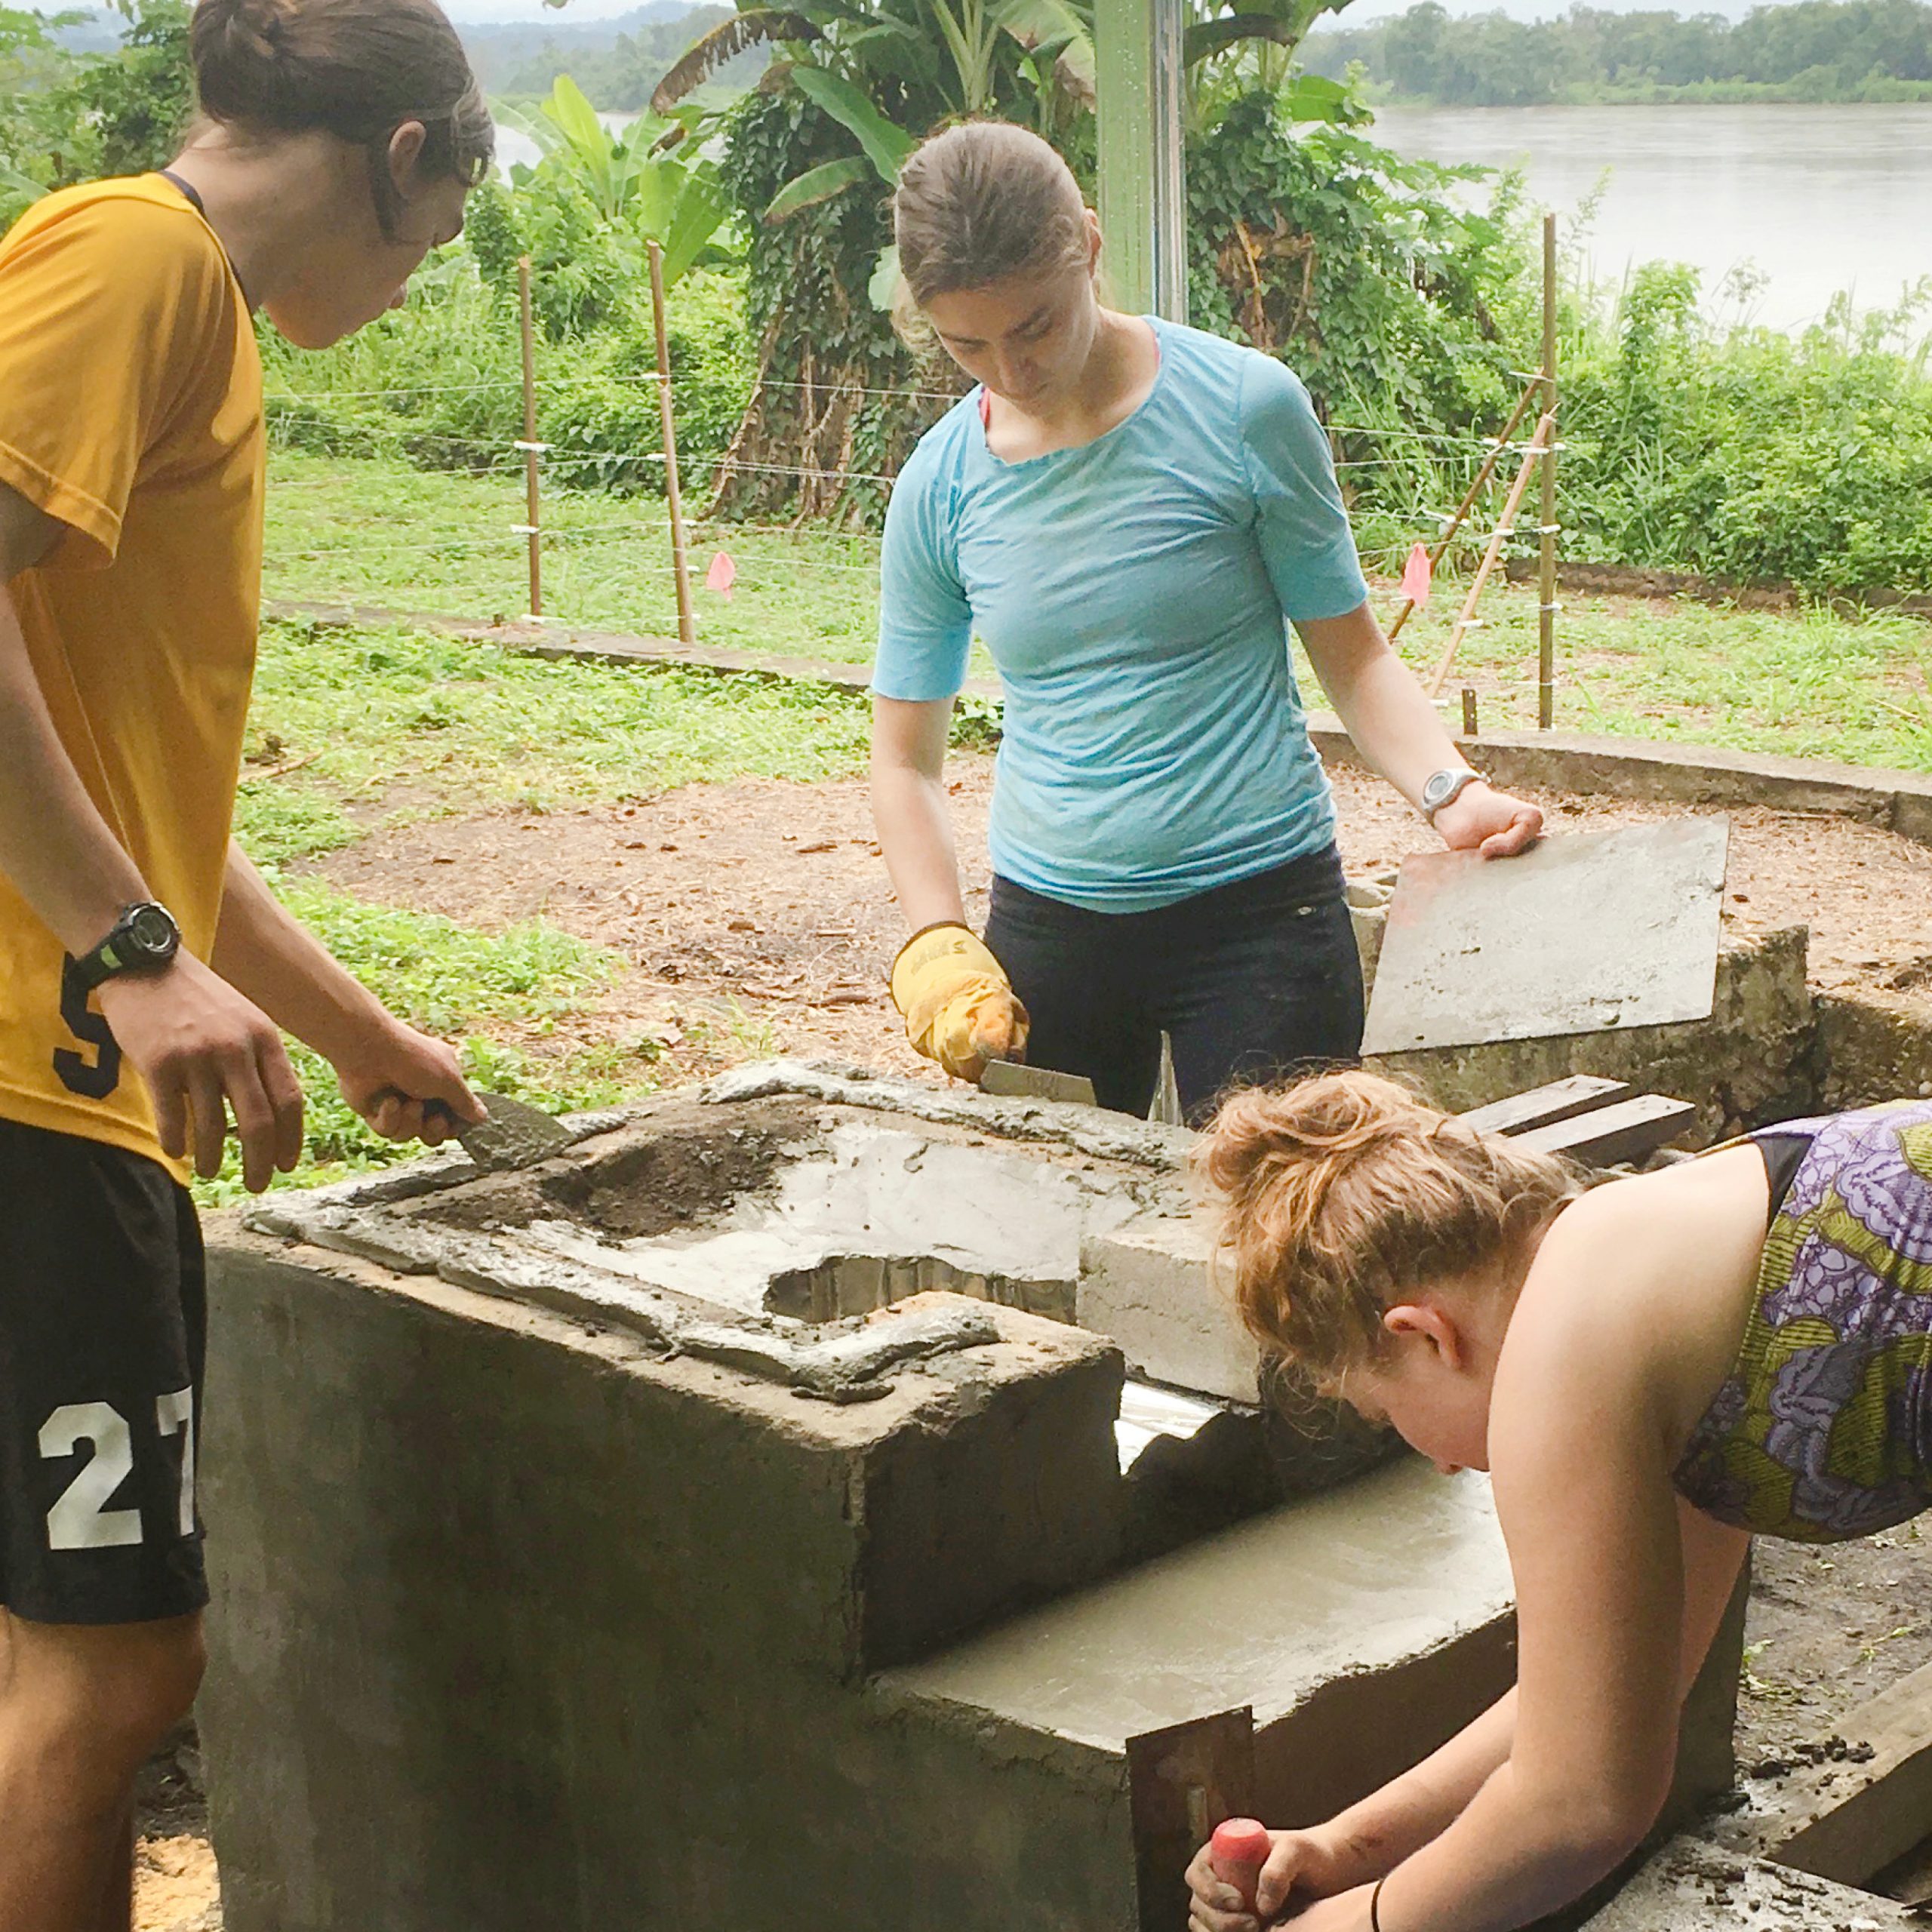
1480, 818
1310, 1863
959, 1005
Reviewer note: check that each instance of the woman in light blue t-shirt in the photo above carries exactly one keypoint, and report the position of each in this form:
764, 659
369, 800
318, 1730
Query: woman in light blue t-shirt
1128, 513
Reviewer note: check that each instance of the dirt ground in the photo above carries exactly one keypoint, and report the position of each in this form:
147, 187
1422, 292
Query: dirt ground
756, 918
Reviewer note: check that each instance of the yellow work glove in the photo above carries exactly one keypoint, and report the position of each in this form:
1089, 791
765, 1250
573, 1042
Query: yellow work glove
958, 1004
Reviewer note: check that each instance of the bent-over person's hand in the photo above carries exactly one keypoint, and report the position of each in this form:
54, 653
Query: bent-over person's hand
205, 1051
960, 1007
1302, 1867
1481, 819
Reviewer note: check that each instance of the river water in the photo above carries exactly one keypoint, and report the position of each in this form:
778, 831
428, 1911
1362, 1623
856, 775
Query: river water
1813, 199
1816, 199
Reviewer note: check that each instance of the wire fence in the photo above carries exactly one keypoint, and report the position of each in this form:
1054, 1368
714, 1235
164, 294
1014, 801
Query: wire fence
557, 506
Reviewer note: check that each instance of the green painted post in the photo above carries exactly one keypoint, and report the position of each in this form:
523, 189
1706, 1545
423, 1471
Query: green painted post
1143, 186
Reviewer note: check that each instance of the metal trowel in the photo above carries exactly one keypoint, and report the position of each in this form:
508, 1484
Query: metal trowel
1012, 1079
516, 1135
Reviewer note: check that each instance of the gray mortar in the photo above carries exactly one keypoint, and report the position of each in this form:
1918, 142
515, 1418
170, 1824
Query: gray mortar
1691, 1886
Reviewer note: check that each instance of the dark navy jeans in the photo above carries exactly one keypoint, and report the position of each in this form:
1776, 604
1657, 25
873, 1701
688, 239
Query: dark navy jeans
1250, 981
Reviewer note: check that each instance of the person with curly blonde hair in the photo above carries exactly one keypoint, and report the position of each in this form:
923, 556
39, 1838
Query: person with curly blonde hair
1650, 1371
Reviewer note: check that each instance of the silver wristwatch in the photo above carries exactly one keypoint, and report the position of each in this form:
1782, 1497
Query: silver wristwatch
1445, 787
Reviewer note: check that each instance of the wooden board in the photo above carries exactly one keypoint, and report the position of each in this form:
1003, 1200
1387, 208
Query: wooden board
1629, 1131
1860, 1813
1543, 1106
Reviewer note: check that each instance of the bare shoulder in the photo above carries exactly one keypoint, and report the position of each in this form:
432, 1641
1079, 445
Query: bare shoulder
1638, 1295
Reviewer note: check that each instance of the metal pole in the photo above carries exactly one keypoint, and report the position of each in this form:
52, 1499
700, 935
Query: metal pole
1547, 574
532, 451
686, 627
1143, 185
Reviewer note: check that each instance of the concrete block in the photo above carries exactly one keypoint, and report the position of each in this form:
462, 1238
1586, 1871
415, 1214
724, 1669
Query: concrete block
1149, 1285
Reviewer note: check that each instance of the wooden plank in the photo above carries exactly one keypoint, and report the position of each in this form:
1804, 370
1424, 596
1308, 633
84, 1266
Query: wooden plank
1543, 1107
1182, 1781
1627, 1131
1859, 1813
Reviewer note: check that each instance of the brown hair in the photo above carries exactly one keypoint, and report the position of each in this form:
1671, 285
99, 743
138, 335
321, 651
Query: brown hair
355, 69
1346, 1193
981, 201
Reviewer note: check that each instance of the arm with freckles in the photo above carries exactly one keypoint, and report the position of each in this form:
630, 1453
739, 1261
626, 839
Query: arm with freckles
1620, 1589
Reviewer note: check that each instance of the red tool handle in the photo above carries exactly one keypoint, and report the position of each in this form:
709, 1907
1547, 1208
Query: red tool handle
1238, 1850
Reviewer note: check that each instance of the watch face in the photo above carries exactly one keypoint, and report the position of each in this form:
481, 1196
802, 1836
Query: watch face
151, 932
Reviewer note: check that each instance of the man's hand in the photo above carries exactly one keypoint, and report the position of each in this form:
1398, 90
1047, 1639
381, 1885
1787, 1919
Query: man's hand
406, 1085
1308, 1864
1480, 818
205, 1051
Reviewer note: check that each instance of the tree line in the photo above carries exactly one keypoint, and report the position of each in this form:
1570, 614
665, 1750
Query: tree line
1809, 50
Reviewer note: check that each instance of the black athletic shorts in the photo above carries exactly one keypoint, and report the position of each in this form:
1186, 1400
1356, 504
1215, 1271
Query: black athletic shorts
103, 1324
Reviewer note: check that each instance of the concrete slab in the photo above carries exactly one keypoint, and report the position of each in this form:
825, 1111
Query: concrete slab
1402, 1563
1751, 1062
1581, 933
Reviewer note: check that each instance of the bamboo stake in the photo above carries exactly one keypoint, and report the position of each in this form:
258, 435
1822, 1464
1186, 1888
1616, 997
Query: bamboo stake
532, 449
1538, 447
1468, 502
687, 625
1547, 572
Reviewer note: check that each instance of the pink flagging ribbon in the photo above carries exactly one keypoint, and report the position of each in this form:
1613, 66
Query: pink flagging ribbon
1415, 576
722, 574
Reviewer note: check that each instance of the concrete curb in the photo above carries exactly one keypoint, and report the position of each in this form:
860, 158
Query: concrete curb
1899, 801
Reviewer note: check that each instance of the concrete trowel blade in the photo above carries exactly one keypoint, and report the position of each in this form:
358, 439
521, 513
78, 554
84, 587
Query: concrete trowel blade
516, 1135
1579, 934
1012, 1080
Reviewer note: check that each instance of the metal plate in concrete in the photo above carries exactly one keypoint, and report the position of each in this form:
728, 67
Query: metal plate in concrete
1579, 935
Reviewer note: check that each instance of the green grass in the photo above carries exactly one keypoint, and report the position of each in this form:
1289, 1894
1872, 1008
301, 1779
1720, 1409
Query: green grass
1812, 683
1817, 683
378, 531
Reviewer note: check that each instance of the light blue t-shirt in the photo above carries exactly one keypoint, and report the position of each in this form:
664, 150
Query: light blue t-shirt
1133, 593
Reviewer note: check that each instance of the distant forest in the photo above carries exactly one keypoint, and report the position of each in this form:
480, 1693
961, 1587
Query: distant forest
1809, 51
617, 62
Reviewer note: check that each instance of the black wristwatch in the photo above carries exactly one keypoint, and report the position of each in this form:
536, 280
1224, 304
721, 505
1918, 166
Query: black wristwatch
145, 938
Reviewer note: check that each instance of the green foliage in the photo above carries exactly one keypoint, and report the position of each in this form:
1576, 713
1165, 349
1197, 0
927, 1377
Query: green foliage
66, 117
1751, 455
1808, 51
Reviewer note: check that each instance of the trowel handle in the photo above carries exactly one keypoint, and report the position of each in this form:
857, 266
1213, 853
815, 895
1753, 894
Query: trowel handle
1238, 1851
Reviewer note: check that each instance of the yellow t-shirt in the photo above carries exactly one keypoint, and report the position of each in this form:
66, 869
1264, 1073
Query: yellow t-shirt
130, 409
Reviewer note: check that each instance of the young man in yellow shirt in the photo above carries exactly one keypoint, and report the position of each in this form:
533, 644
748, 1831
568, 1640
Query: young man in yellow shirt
146, 971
